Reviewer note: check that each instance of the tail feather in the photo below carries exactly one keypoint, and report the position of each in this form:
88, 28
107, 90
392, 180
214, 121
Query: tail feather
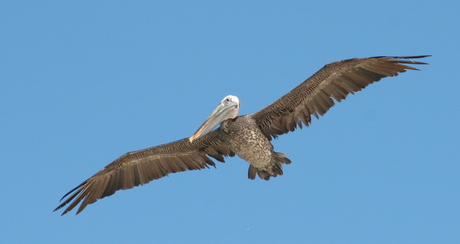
272, 170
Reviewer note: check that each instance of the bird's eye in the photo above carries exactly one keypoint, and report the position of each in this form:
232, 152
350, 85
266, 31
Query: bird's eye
228, 99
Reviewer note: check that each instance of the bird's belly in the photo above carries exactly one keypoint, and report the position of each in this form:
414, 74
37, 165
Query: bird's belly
252, 146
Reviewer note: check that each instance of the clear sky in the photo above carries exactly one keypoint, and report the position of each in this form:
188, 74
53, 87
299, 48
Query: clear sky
84, 82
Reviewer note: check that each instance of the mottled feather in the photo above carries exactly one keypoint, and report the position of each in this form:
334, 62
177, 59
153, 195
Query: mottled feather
141, 167
316, 95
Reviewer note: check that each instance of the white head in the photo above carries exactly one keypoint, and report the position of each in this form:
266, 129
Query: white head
228, 108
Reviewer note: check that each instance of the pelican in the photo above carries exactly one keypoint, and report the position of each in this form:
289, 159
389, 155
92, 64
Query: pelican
247, 136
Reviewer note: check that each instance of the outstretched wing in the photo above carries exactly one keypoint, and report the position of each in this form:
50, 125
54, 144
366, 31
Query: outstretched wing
314, 96
140, 167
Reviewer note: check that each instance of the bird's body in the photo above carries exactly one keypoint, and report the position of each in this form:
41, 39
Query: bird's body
247, 136
244, 137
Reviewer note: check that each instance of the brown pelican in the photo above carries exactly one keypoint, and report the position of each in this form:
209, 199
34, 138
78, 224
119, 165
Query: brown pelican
247, 136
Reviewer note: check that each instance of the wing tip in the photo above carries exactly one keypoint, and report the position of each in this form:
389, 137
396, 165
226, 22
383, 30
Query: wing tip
76, 191
395, 58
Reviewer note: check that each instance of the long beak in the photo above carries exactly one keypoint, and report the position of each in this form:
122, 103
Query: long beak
224, 111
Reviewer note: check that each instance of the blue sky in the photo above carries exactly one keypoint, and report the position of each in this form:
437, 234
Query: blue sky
84, 82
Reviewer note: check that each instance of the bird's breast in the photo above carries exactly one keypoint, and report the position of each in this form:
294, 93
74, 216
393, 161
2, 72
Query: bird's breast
247, 141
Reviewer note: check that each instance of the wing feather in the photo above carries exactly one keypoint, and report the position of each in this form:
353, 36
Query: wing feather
140, 167
316, 95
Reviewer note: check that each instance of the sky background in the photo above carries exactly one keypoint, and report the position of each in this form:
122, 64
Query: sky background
84, 82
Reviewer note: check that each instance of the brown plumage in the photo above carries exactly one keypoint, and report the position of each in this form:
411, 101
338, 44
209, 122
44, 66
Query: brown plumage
247, 136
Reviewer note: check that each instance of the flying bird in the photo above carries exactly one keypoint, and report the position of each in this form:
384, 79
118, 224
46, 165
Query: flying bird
247, 136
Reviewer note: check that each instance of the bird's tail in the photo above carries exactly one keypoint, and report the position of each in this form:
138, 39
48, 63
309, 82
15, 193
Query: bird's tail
272, 170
